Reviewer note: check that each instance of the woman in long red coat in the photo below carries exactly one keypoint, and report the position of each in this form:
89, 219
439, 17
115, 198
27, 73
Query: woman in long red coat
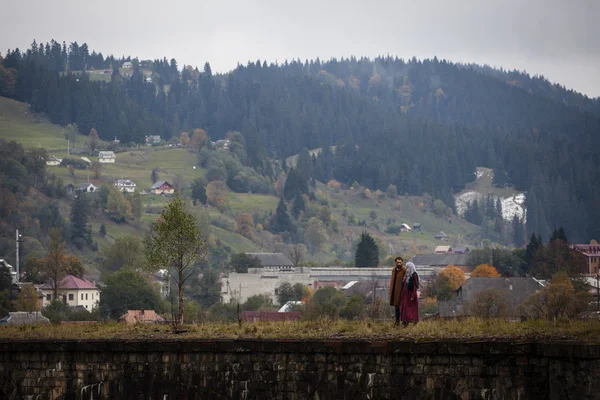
409, 303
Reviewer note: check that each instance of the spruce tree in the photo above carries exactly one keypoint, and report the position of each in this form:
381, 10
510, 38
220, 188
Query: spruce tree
281, 221
367, 253
80, 230
559, 234
518, 231
298, 206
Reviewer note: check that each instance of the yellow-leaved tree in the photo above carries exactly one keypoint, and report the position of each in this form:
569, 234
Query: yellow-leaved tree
485, 271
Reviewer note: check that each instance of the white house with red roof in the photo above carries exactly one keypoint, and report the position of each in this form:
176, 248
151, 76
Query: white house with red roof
74, 292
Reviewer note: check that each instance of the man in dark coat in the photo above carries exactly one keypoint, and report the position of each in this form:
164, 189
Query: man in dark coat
396, 286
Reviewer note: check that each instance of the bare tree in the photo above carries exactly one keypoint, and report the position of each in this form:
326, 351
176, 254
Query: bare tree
296, 253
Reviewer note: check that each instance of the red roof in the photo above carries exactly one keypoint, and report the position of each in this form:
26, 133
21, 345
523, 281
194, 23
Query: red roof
71, 282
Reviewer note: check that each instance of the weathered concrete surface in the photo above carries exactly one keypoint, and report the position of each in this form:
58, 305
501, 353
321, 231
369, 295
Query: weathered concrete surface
279, 369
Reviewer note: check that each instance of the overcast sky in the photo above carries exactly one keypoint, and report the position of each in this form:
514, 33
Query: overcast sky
556, 38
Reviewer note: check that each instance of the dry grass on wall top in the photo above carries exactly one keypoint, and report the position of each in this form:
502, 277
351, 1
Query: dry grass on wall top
453, 330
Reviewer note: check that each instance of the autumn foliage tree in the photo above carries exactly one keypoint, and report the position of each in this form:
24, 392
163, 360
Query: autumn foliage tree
28, 299
446, 283
93, 140
216, 195
245, 225
558, 300
485, 271
199, 139
184, 139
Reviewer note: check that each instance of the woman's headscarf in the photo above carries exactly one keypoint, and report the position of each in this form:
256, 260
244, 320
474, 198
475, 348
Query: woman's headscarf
410, 270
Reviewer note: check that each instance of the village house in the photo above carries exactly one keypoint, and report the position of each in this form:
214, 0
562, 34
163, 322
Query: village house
273, 261
132, 317
443, 250
592, 255
86, 188
461, 250
53, 161
74, 292
417, 227
405, 228
514, 291
106, 157
162, 188
125, 185
441, 236
127, 64
11, 270
153, 139
222, 144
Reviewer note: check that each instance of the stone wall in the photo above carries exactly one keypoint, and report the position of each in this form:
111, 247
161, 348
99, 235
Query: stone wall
280, 369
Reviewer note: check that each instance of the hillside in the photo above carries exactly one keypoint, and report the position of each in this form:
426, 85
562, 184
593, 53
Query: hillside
20, 123
347, 207
423, 126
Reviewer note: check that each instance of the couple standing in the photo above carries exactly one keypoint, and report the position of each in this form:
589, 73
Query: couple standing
403, 292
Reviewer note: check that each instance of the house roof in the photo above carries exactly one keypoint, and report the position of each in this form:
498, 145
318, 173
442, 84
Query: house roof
442, 249
439, 260
587, 249
124, 182
406, 226
460, 250
157, 185
85, 186
288, 306
71, 282
515, 290
110, 154
24, 318
140, 316
272, 259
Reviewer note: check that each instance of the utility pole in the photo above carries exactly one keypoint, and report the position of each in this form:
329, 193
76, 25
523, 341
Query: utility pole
18, 240
68, 147
598, 286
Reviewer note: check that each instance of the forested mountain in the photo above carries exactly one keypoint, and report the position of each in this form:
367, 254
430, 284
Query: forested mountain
423, 126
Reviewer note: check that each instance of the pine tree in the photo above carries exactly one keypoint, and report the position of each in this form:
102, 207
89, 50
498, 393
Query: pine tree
535, 243
298, 206
518, 232
294, 185
304, 166
281, 220
367, 252
102, 230
559, 234
80, 230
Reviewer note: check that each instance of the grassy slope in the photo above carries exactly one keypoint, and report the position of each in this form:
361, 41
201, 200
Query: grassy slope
484, 185
407, 243
16, 123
